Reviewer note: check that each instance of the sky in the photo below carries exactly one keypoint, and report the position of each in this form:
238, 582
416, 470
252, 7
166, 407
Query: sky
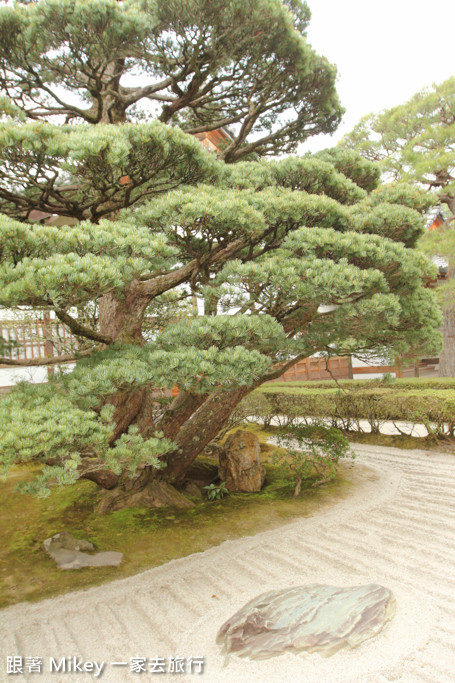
385, 52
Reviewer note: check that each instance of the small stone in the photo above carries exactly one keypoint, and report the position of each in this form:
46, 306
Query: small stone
313, 618
66, 551
67, 542
240, 463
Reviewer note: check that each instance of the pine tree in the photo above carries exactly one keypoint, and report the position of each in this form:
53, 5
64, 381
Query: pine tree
160, 221
415, 141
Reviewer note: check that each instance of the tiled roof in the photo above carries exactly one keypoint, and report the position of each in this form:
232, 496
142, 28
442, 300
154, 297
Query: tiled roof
441, 263
432, 215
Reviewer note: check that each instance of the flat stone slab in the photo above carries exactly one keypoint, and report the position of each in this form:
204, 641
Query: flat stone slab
313, 618
67, 552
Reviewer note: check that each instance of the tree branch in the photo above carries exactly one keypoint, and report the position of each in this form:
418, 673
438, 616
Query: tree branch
132, 95
162, 283
81, 330
279, 368
54, 360
214, 125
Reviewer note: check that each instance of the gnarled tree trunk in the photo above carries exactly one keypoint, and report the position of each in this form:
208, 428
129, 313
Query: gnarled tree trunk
122, 319
199, 430
192, 424
146, 489
191, 421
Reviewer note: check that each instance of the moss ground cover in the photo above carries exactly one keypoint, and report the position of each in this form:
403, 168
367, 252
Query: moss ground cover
147, 537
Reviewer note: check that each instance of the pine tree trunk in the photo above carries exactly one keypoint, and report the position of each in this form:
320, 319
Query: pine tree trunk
191, 421
122, 319
447, 357
197, 432
146, 489
181, 409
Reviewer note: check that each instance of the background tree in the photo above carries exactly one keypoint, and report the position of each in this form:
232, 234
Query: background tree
261, 243
415, 142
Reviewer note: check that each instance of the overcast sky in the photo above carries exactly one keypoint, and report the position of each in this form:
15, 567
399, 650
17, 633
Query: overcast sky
385, 52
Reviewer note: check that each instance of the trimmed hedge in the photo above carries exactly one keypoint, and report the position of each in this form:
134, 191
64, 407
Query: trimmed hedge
405, 383
435, 408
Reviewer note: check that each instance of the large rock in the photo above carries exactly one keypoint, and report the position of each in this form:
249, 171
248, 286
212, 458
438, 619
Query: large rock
240, 463
315, 618
66, 551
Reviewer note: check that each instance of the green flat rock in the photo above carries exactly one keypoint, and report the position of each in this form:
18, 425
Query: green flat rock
313, 618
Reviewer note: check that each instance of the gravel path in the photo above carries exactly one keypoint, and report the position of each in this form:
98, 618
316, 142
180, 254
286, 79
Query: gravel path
396, 529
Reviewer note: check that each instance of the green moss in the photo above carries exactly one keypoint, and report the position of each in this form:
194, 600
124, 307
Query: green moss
147, 537
399, 441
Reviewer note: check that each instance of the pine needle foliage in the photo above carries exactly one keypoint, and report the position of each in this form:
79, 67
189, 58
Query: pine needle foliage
177, 267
